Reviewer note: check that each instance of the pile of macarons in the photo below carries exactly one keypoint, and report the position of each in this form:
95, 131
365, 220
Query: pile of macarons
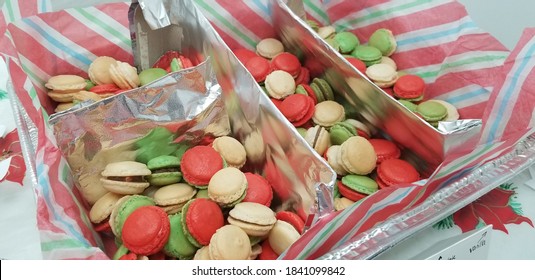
106, 77
195, 203
373, 59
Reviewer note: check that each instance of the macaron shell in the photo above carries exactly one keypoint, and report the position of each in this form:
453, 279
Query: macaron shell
346, 192
367, 54
340, 132
259, 67
258, 189
124, 188
303, 77
103, 207
151, 74
280, 84
358, 156
332, 158
298, 109
384, 40
397, 171
269, 47
293, 219
227, 186
267, 252
202, 254
327, 113
286, 62
229, 243
282, 236
99, 70
385, 149
326, 89
125, 168
231, 150
359, 183
341, 203
146, 230
431, 111
202, 218
244, 55
409, 87
199, 164
453, 113
252, 212
174, 194
347, 41
124, 207
357, 63
66, 83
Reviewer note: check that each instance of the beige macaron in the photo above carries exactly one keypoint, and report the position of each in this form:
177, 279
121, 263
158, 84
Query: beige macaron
341, 203
269, 48
282, 236
318, 138
256, 250
326, 31
383, 75
227, 186
332, 155
125, 177
65, 84
229, 243
99, 70
280, 84
359, 126
254, 218
173, 197
124, 75
102, 208
202, 254
63, 106
389, 61
231, 150
327, 113
357, 156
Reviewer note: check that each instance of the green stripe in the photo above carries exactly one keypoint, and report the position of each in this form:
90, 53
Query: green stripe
61, 244
383, 12
462, 62
225, 22
319, 11
31, 74
10, 11
33, 93
456, 166
106, 27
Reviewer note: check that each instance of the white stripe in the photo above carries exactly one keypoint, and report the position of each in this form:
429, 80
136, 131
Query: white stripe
47, 7
108, 21
435, 41
36, 70
503, 117
58, 36
477, 99
15, 8
387, 6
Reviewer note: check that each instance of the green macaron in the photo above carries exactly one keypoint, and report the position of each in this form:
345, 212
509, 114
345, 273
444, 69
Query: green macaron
317, 92
151, 74
88, 84
202, 194
431, 111
367, 54
165, 170
347, 41
125, 208
176, 65
178, 245
302, 131
360, 183
333, 43
121, 251
313, 24
384, 40
340, 132
411, 106
325, 89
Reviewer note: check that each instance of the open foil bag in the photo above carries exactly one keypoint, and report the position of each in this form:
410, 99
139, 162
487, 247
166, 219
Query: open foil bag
463, 64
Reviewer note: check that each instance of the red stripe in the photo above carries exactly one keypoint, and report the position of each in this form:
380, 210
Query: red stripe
44, 222
343, 9
229, 40
27, 8
248, 17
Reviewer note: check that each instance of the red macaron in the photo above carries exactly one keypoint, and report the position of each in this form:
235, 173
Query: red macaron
146, 230
105, 88
348, 193
303, 77
199, 164
267, 252
244, 55
396, 171
384, 149
357, 63
202, 218
258, 189
286, 62
258, 67
298, 108
293, 219
409, 87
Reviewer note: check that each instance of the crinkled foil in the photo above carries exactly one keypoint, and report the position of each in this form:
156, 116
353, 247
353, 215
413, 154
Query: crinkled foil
209, 100
445, 202
426, 146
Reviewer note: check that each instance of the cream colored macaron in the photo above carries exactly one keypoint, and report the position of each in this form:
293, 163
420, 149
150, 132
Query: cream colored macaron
327, 113
65, 83
282, 236
341, 203
326, 31
173, 197
254, 218
280, 84
102, 208
202, 254
99, 70
231, 150
227, 186
318, 138
333, 159
229, 243
383, 75
269, 48
357, 156
124, 75
125, 177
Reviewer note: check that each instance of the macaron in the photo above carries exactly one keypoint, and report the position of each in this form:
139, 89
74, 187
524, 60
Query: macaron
340, 132
178, 245
367, 54
244, 55
303, 77
385, 149
259, 67
298, 109
333, 43
124, 75
173, 197
349, 193
306, 90
357, 63
341, 203
150, 75
326, 31
357, 156
328, 113
199, 164
269, 48
165, 170
359, 183
389, 61
103, 207
267, 252
125, 177
258, 189
332, 156
383, 75
227, 187
229, 243
287, 62
384, 40
432, 112
318, 138
362, 129
201, 218
61, 87
254, 218
282, 236
99, 70
453, 113
123, 208
231, 150
396, 171
293, 219
410, 87
280, 84
322, 87
146, 230
347, 41
105, 89
202, 254
408, 104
